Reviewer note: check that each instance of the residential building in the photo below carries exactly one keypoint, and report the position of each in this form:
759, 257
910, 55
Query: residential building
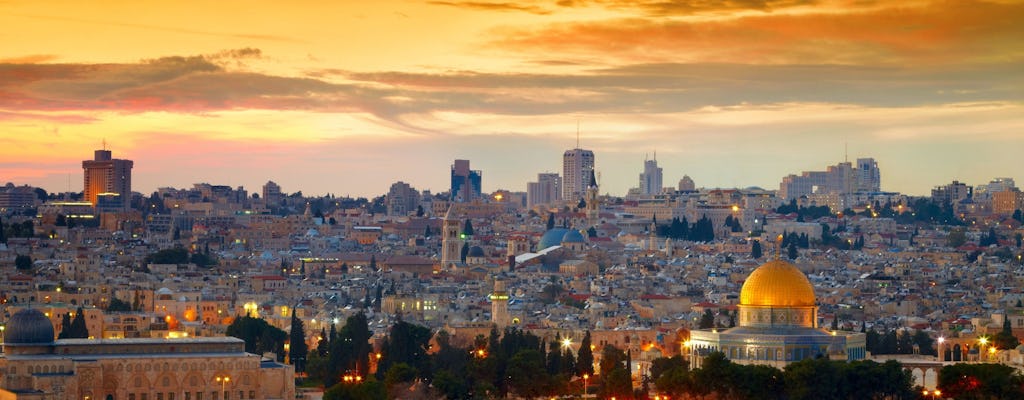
577, 165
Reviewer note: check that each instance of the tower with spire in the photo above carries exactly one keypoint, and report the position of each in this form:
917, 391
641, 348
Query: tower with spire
451, 240
593, 204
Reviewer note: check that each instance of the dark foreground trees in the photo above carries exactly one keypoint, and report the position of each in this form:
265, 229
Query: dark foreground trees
808, 379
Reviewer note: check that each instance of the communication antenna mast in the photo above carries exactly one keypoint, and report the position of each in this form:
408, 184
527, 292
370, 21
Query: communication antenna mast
577, 133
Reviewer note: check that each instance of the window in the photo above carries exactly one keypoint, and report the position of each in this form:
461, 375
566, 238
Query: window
131, 396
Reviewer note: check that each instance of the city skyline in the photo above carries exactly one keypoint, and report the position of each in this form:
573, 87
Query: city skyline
323, 98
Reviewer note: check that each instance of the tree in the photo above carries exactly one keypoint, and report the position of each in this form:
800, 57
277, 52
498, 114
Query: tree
259, 336
1004, 339
298, 349
464, 252
23, 262
707, 320
3, 236
791, 251
526, 374
175, 255
755, 250
65, 326
406, 343
118, 305
467, 228
585, 357
956, 238
78, 328
551, 221
981, 381
419, 211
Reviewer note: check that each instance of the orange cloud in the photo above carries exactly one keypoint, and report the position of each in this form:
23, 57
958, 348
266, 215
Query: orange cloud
944, 33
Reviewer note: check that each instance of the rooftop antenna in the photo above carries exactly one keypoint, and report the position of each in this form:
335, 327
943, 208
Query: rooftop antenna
846, 152
104, 144
577, 133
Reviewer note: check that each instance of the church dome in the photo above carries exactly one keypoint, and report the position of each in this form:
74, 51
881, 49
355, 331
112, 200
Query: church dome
573, 236
29, 326
552, 237
779, 284
476, 251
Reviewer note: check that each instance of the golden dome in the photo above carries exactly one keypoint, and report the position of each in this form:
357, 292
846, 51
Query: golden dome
777, 283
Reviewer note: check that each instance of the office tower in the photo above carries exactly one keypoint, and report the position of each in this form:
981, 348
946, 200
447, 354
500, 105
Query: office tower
108, 181
868, 177
650, 179
547, 189
465, 182
577, 165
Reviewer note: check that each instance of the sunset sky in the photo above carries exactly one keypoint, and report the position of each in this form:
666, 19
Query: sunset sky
347, 97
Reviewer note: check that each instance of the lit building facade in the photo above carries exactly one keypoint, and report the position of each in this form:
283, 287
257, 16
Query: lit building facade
777, 324
35, 366
109, 177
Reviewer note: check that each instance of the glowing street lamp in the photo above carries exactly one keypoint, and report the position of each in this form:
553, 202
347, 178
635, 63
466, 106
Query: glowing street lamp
585, 378
566, 343
223, 384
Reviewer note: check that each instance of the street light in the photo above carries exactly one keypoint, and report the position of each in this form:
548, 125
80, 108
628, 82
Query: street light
585, 377
933, 394
223, 384
566, 342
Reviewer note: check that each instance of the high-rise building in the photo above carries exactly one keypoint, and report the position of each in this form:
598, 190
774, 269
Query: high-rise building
650, 179
686, 184
271, 193
465, 182
576, 167
108, 179
547, 189
951, 194
402, 199
841, 179
868, 177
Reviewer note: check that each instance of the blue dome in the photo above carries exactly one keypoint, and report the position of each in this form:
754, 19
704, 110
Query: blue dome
573, 236
476, 251
552, 237
29, 326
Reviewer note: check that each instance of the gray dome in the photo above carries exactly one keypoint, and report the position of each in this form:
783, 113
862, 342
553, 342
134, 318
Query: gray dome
476, 251
29, 326
573, 236
552, 237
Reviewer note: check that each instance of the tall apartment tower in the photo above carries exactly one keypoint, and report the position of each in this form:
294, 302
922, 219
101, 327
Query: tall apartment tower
547, 189
465, 182
650, 179
108, 181
577, 165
